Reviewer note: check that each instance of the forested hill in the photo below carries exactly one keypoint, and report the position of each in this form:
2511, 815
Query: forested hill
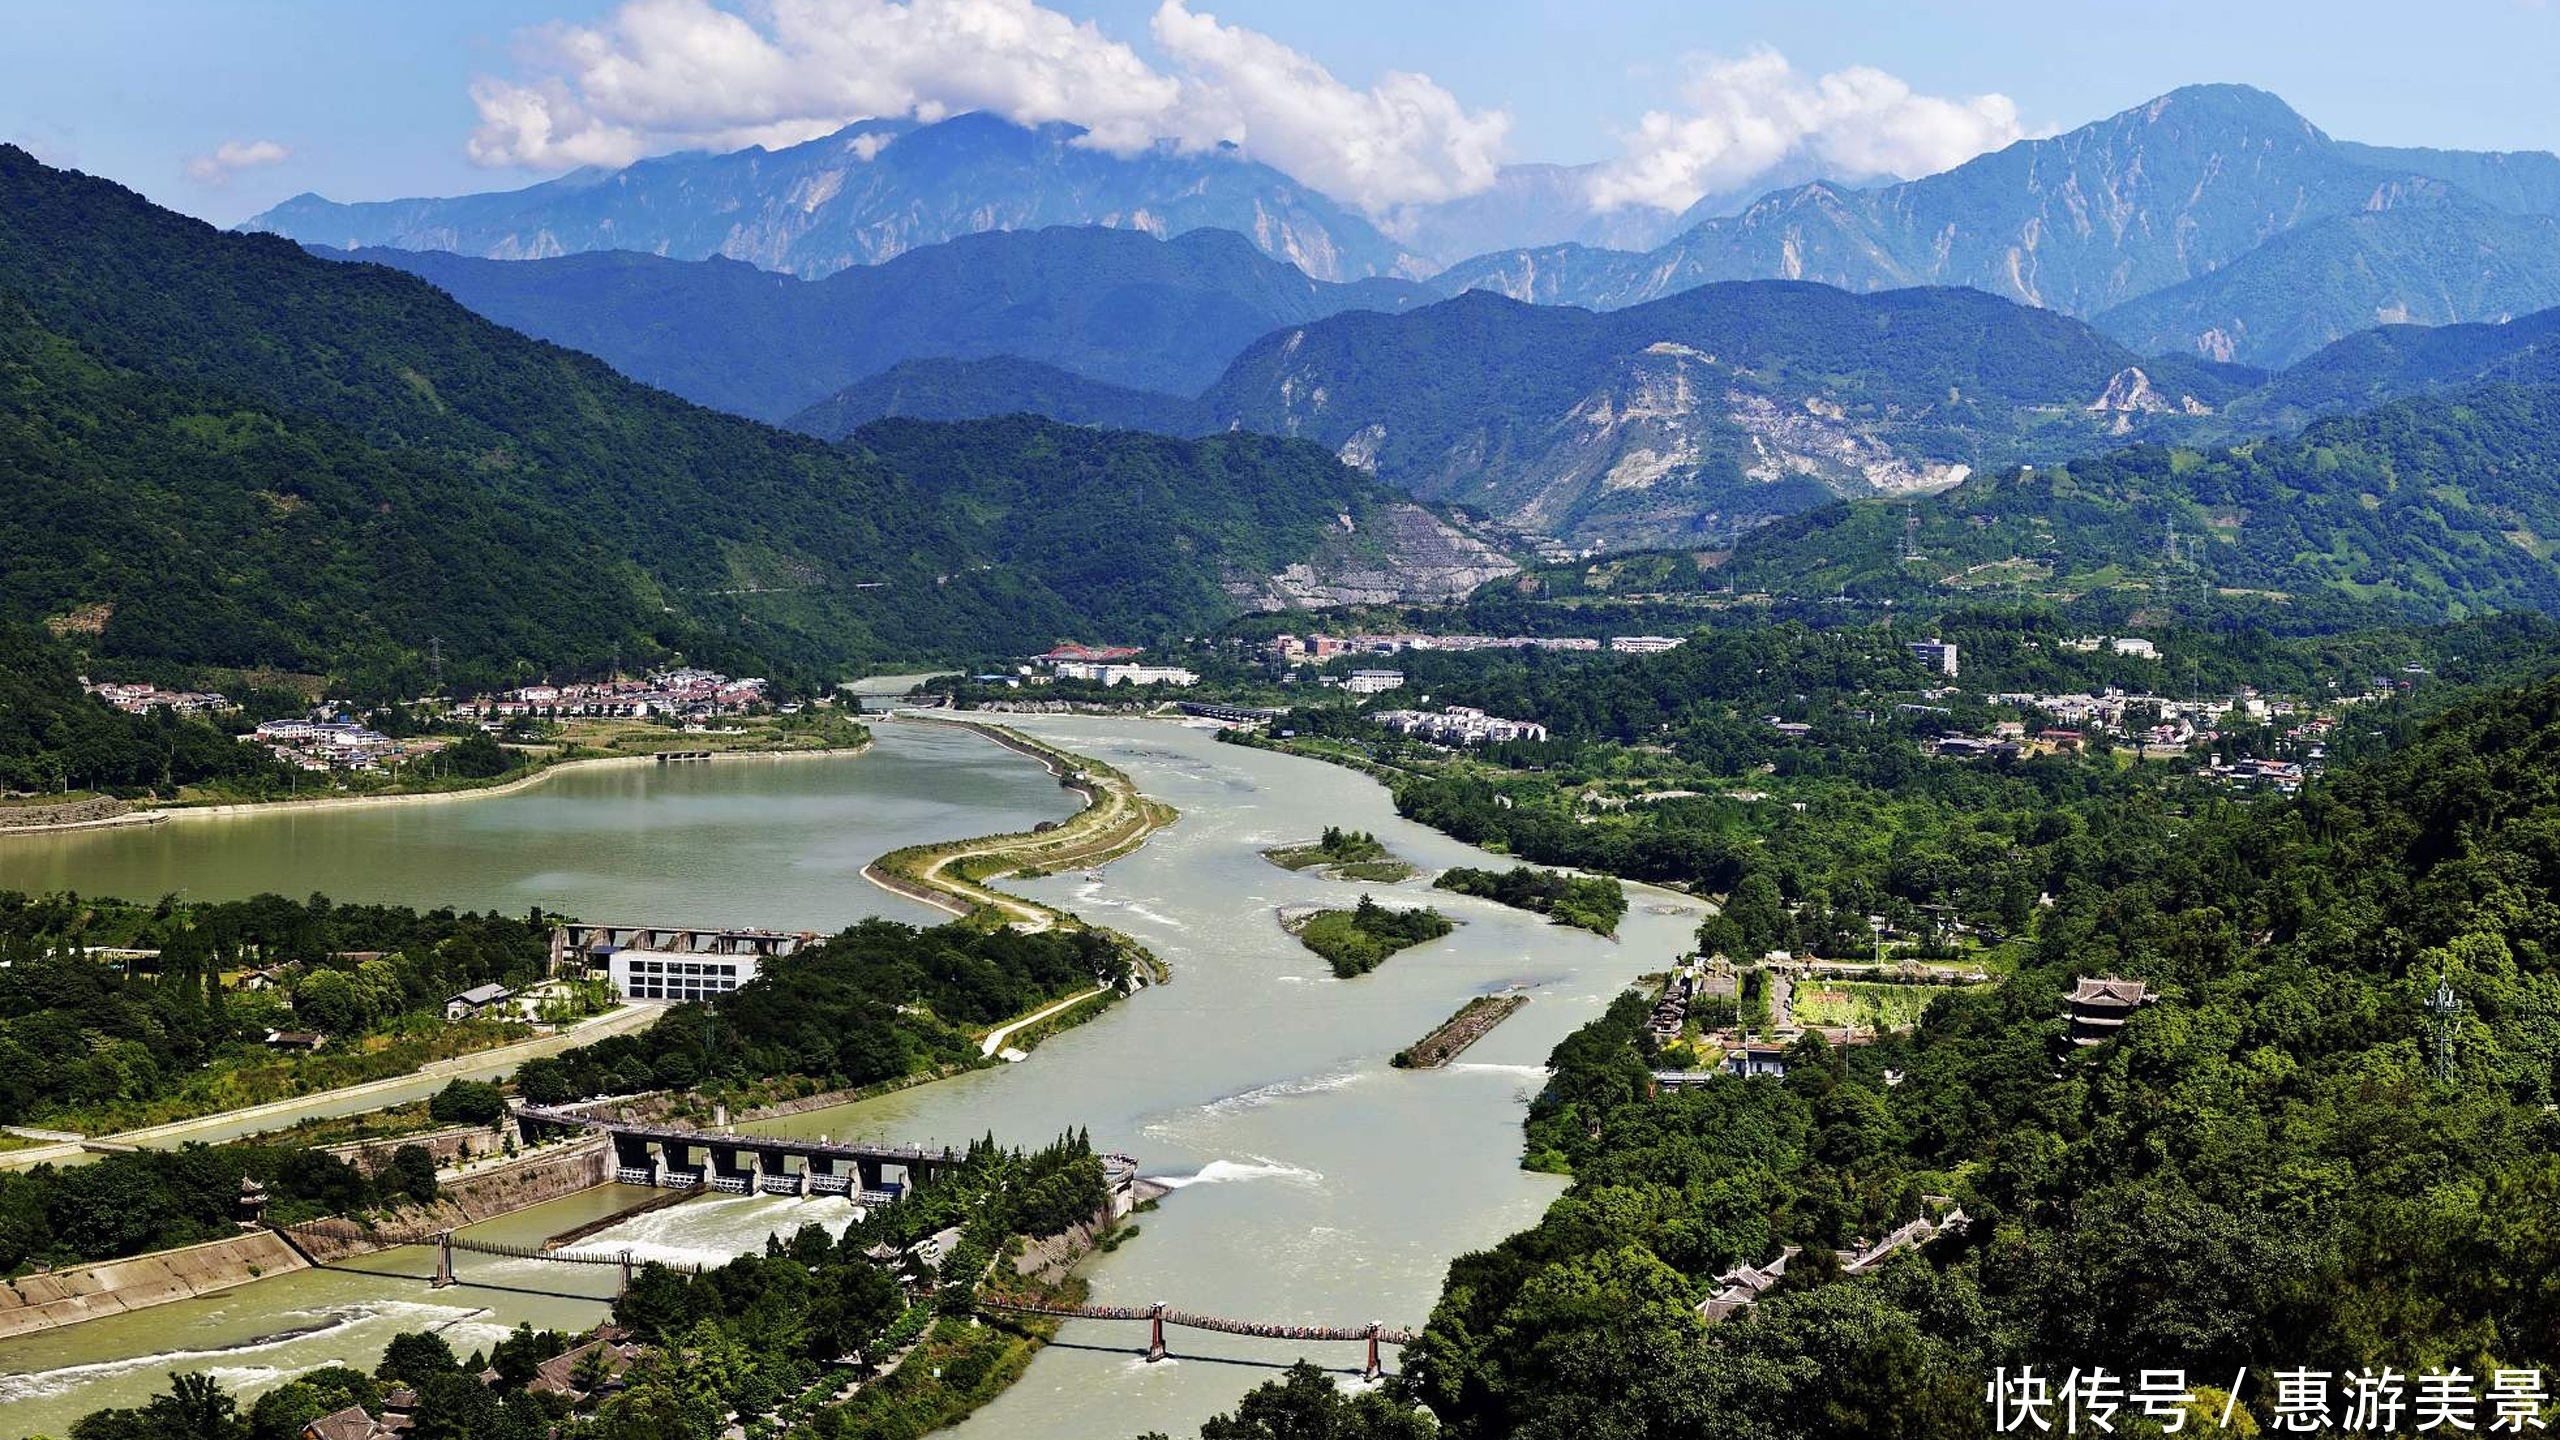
1693, 417
2265, 1170
997, 385
1117, 305
2424, 509
223, 451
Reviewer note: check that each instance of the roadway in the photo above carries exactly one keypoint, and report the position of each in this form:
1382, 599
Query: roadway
487, 1064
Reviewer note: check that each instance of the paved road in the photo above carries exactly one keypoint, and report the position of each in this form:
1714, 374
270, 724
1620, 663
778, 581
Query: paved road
996, 1038
351, 1099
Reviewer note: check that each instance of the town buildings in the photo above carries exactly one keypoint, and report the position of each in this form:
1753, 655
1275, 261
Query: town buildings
668, 962
1109, 675
1459, 725
335, 743
1645, 644
1374, 682
683, 695
142, 699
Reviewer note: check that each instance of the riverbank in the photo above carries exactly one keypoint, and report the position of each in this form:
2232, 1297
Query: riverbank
49, 1301
955, 876
513, 785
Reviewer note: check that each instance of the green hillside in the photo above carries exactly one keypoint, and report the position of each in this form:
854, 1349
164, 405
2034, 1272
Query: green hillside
2423, 509
224, 451
998, 385
2273, 1161
1703, 414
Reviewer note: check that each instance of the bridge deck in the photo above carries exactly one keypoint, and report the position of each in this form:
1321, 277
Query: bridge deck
1218, 1323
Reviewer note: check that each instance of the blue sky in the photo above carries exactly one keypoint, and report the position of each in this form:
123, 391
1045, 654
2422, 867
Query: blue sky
370, 101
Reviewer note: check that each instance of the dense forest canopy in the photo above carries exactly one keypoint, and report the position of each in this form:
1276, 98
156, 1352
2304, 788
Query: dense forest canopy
2265, 1170
229, 452
2421, 510
879, 1001
82, 1033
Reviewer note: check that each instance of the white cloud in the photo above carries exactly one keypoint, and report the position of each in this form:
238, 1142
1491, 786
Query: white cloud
233, 156
1403, 141
664, 74
1744, 117
668, 74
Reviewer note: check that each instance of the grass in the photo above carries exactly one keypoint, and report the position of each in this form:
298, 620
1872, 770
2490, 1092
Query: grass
1355, 942
255, 1076
1863, 1004
1343, 855
960, 1365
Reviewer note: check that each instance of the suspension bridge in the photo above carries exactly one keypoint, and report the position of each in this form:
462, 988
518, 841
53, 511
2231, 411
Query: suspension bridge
446, 1243
1159, 1315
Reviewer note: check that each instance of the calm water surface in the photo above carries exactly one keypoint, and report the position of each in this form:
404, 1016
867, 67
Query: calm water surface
1315, 1183
778, 841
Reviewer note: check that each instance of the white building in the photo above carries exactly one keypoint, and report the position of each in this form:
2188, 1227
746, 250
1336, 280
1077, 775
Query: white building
1938, 655
1126, 674
2135, 646
1374, 682
673, 975
1645, 644
1460, 725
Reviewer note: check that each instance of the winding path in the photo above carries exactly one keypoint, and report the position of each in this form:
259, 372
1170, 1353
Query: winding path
996, 1037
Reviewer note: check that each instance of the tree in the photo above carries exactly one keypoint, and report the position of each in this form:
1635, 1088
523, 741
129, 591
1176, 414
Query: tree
411, 1175
195, 1407
468, 1102
415, 1357
1306, 1404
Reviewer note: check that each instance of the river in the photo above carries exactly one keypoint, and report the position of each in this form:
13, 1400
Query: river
1314, 1183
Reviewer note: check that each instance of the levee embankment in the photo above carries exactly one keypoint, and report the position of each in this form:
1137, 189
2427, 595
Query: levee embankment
112, 1287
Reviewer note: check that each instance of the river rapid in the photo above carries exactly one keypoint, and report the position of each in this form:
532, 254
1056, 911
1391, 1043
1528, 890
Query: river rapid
1313, 1183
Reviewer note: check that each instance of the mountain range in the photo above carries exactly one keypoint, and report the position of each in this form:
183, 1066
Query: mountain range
1695, 417
867, 193
2095, 222
1118, 306
226, 452
1684, 420
2213, 220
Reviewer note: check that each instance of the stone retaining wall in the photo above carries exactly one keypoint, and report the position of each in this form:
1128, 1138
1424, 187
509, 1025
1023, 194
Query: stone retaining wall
77, 812
67, 1297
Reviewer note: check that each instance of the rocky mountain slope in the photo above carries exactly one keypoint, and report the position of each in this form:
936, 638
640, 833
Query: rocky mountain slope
868, 193
1699, 416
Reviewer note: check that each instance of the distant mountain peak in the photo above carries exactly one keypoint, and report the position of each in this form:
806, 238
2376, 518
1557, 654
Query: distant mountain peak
868, 192
2224, 103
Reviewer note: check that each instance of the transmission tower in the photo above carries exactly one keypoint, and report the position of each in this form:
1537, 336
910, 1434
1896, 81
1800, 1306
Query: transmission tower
2444, 1010
435, 665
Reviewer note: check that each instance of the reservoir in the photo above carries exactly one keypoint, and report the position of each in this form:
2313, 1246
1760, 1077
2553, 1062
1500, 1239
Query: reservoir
1314, 1183
778, 841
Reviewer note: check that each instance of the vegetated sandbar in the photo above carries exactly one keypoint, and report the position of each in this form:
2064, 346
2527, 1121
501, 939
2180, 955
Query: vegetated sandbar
956, 876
